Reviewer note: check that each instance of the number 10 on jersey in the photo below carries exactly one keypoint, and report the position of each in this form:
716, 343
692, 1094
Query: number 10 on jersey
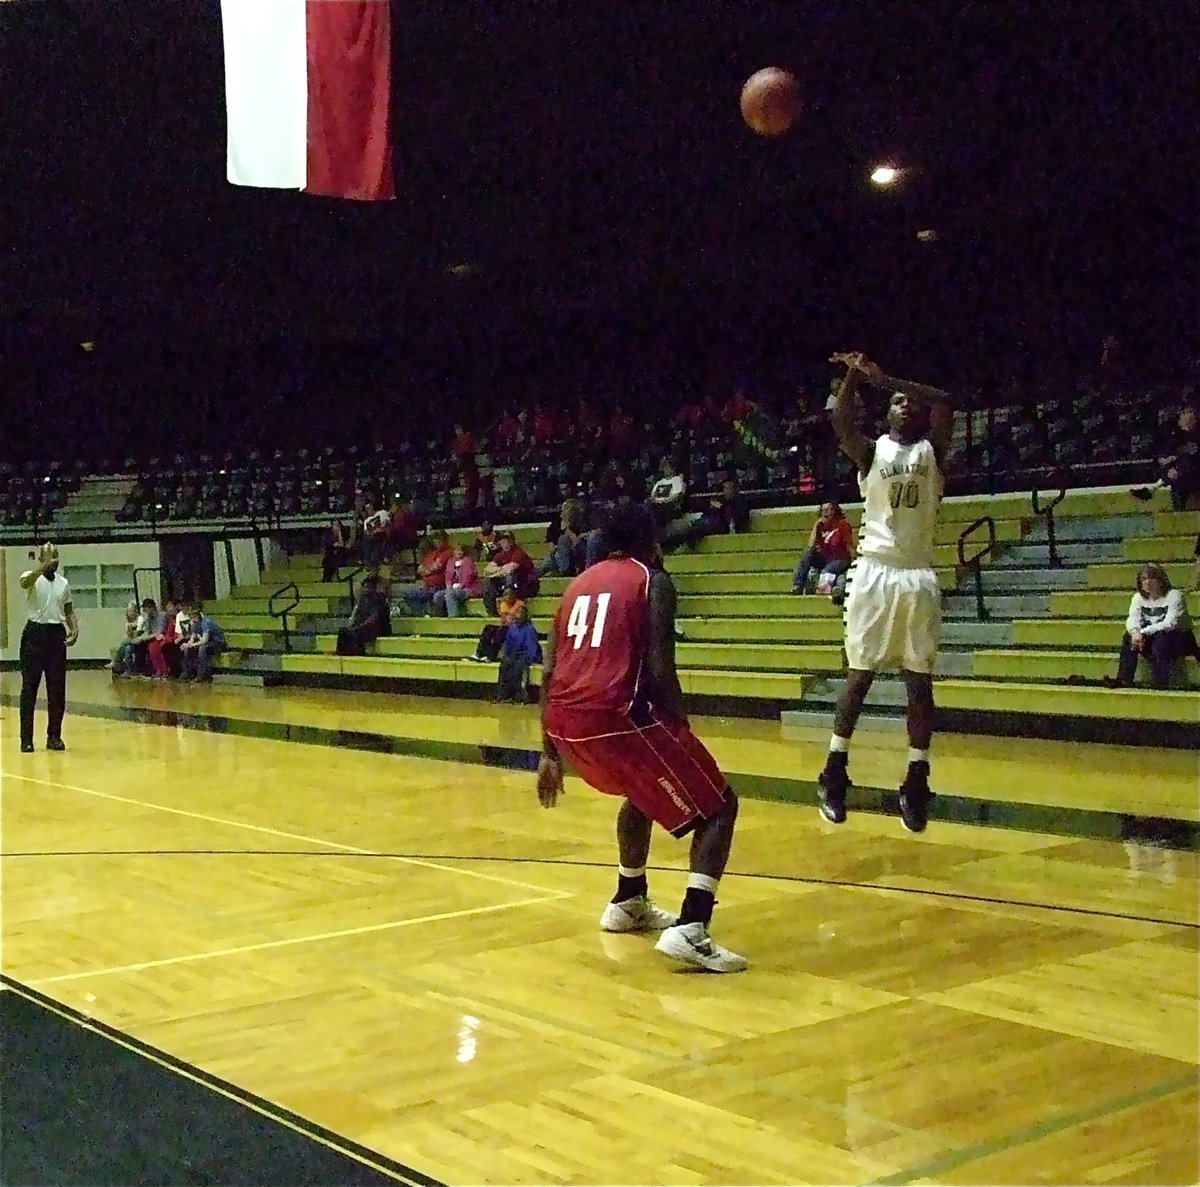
579, 621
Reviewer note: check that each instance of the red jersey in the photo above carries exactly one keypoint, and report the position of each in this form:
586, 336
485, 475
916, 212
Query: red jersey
601, 633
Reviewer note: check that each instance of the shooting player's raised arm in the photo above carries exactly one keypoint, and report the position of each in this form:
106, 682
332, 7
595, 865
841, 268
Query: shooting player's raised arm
843, 413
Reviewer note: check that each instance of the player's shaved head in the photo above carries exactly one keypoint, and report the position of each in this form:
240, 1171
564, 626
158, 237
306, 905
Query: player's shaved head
629, 529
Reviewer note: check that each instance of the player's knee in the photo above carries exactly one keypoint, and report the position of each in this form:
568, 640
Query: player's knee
730, 810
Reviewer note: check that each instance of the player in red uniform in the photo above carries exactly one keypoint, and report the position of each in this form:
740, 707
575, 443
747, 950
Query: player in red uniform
613, 708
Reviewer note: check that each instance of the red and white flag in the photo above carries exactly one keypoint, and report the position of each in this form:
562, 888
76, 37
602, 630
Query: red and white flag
308, 95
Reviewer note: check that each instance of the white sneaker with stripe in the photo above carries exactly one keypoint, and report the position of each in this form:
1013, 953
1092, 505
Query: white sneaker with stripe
635, 914
691, 944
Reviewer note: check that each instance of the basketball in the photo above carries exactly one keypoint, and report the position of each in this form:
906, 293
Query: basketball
770, 101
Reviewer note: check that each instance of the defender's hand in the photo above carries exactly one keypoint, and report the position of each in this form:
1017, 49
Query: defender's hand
549, 781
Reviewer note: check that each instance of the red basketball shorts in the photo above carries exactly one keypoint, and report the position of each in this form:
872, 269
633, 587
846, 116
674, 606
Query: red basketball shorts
659, 766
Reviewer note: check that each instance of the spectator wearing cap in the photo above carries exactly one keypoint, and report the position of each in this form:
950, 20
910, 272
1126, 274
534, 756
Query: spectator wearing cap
512, 568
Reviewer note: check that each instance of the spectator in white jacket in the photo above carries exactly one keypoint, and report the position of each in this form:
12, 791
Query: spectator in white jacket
1158, 627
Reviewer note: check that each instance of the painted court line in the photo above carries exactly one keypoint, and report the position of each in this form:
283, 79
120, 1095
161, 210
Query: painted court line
954, 1160
275, 832
325, 935
262, 1108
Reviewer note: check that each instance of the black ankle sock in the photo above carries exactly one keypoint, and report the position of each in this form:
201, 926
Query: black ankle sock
697, 906
628, 888
837, 758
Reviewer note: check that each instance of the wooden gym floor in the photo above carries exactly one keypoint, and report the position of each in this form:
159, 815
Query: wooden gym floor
404, 950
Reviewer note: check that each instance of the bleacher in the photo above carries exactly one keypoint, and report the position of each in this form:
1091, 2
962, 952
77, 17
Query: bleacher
1035, 662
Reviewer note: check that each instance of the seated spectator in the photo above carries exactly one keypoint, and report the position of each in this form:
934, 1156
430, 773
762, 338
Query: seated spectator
491, 638
163, 651
404, 532
829, 551
486, 544
202, 643
667, 503
728, 512
518, 653
512, 569
461, 583
149, 627
123, 658
431, 575
568, 555
337, 551
1158, 627
463, 449
1180, 469
373, 544
369, 619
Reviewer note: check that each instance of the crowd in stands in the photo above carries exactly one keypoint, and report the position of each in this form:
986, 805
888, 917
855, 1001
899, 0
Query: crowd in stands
179, 642
526, 461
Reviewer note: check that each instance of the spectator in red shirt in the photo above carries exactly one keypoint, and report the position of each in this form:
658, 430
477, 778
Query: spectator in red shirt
830, 547
512, 569
163, 651
463, 448
431, 575
739, 408
506, 436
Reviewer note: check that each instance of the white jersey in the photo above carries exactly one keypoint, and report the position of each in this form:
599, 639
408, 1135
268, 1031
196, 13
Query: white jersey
902, 492
48, 600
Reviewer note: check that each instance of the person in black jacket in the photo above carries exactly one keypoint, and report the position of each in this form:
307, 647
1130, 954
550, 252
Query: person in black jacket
369, 620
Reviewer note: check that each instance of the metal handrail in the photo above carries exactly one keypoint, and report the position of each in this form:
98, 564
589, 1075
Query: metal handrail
349, 580
282, 614
1046, 511
974, 562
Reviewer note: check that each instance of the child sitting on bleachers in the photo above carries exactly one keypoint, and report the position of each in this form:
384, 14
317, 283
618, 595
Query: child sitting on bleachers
520, 651
491, 638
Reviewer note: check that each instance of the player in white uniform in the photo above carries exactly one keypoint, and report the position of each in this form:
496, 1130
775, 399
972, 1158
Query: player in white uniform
894, 604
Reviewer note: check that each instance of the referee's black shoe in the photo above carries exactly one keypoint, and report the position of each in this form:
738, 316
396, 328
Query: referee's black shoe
915, 796
26, 747
833, 782
55, 744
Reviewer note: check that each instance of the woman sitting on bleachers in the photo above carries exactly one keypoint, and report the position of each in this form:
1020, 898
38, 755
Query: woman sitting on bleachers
1158, 627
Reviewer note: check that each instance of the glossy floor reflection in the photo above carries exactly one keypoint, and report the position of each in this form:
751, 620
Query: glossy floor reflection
404, 951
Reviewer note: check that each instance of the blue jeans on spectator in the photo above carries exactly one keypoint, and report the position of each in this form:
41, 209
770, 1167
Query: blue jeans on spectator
196, 662
563, 559
814, 562
123, 664
452, 601
593, 547
419, 598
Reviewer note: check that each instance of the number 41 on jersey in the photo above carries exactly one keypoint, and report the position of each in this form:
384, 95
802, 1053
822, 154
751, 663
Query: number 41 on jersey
579, 622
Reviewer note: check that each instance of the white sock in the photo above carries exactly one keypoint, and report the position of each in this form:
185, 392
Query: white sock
915, 755
626, 872
703, 882
839, 745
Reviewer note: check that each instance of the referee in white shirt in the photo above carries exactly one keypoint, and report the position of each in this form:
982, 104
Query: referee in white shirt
50, 630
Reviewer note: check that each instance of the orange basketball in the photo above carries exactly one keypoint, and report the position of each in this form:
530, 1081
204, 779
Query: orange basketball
771, 101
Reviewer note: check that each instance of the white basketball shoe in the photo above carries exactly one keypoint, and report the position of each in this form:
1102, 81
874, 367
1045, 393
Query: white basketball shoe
691, 944
635, 914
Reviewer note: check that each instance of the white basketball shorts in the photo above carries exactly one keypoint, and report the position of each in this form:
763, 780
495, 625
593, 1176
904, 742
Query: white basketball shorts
893, 617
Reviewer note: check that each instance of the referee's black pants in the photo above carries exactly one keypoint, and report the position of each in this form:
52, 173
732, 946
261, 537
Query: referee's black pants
43, 652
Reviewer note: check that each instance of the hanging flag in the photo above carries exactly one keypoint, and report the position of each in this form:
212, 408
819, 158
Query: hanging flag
308, 95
